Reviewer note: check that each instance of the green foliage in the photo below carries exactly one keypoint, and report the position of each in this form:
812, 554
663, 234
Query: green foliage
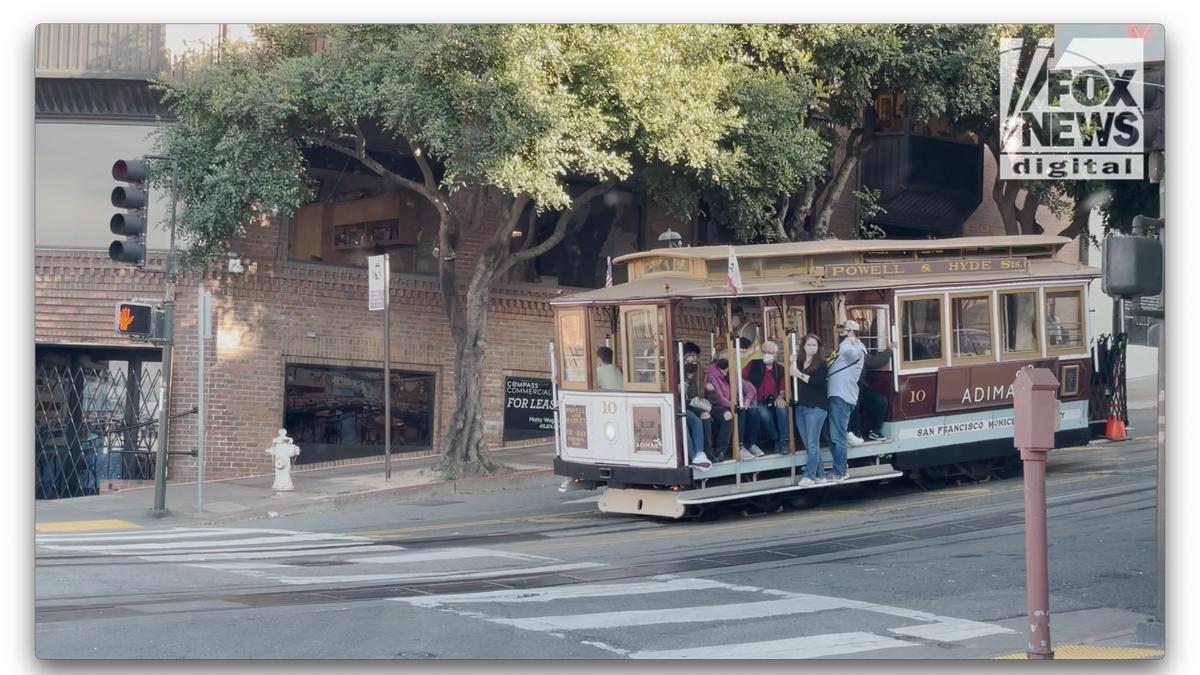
517, 107
868, 208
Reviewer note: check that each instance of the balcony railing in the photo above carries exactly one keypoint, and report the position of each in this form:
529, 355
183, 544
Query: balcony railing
926, 182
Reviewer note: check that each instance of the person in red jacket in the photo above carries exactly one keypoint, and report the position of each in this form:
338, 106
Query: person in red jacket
771, 405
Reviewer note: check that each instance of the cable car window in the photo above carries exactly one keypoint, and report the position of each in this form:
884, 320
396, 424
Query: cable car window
646, 355
971, 326
873, 326
1018, 323
573, 347
921, 331
667, 265
1064, 320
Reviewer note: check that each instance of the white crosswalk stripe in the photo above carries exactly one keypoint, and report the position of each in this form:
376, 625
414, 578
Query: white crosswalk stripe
296, 558
703, 601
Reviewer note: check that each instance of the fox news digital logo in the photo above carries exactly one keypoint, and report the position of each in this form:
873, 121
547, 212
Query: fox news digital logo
1078, 119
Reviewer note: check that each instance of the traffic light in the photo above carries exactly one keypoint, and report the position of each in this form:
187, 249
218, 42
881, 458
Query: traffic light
1154, 92
131, 225
135, 319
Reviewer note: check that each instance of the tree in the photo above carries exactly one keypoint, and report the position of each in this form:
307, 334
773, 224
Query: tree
492, 116
813, 91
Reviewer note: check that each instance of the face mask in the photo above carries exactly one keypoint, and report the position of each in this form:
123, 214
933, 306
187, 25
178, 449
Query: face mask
689, 368
723, 364
768, 359
737, 321
811, 350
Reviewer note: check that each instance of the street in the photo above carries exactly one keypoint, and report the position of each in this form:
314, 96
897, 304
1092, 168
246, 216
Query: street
875, 571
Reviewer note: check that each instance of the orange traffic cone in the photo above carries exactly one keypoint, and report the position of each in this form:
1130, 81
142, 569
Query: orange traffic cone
1114, 429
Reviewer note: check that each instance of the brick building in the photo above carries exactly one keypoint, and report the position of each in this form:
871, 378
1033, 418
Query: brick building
292, 331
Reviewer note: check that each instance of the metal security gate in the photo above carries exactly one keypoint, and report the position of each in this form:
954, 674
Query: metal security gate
94, 421
1108, 380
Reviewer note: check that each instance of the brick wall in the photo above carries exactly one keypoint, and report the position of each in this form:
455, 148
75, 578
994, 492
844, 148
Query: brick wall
262, 319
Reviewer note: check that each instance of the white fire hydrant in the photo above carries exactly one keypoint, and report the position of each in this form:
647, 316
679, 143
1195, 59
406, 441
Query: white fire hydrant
283, 450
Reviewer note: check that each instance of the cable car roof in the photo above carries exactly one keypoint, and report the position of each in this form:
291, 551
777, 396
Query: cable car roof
682, 287
834, 246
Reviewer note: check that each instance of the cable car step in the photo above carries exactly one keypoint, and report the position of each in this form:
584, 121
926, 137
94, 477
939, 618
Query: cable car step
721, 493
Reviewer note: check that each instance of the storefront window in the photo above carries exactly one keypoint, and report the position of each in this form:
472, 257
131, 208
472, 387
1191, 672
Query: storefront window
1018, 322
972, 326
921, 331
335, 412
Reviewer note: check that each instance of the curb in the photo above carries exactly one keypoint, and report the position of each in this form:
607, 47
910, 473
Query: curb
397, 495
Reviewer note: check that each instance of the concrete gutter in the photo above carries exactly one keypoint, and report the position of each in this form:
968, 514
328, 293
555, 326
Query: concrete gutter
398, 495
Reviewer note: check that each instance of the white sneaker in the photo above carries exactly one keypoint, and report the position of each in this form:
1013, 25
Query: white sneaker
755, 451
821, 480
840, 479
853, 440
700, 461
807, 482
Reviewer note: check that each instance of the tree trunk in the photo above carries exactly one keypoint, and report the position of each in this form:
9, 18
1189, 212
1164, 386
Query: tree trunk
464, 450
1004, 193
1027, 214
856, 146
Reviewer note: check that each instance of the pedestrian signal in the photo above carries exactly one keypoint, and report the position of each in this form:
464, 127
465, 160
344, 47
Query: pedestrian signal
135, 319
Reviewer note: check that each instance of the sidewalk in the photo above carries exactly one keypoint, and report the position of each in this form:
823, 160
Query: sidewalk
317, 490
1102, 633
1142, 393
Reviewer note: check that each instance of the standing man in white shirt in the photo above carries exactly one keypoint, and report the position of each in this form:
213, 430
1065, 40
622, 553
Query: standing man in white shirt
842, 384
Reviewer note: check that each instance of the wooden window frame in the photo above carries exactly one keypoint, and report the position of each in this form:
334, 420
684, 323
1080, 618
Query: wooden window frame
944, 360
588, 369
887, 334
623, 326
1044, 316
1037, 318
1062, 388
967, 360
771, 318
687, 264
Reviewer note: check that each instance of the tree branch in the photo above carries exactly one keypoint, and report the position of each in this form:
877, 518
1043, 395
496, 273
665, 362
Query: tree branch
419, 154
1079, 224
560, 228
781, 217
361, 155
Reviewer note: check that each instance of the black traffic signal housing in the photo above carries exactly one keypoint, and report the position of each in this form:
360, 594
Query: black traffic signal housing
133, 198
1154, 96
135, 319
1132, 264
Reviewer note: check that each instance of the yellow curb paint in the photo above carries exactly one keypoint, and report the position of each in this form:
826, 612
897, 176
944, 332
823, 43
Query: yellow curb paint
1086, 652
85, 525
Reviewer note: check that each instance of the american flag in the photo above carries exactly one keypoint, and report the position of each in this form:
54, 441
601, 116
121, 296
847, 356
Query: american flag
608, 275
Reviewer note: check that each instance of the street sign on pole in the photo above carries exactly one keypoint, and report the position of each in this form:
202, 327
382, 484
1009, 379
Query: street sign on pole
379, 275
377, 283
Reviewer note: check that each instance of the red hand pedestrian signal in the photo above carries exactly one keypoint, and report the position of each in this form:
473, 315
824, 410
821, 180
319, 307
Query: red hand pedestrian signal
134, 318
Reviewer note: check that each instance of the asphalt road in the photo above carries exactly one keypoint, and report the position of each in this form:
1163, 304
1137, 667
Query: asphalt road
873, 572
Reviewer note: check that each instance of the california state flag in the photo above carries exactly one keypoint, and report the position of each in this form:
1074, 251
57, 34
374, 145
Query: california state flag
734, 277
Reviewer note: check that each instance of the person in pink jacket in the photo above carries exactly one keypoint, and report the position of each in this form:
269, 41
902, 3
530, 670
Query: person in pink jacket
718, 391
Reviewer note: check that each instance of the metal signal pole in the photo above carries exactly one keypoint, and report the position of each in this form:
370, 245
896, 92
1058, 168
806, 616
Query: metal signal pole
167, 341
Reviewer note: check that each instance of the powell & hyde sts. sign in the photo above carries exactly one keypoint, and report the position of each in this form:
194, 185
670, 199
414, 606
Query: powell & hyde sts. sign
926, 267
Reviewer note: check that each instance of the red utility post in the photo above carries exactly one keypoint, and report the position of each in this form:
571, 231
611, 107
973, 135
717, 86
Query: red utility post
1035, 417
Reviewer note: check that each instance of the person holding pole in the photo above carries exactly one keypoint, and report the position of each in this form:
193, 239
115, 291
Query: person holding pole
843, 396
812, 406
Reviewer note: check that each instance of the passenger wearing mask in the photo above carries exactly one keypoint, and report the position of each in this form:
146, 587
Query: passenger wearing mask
842, 385
718, 386
766, 375
812, 407
698, 413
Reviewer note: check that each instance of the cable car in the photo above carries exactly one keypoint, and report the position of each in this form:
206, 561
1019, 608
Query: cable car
964, 315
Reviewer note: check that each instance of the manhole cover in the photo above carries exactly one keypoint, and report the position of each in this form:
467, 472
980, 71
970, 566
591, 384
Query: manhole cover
416, 655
